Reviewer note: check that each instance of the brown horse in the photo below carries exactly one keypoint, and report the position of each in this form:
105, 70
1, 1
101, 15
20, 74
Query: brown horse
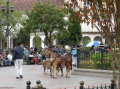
49, 60
59, 62
46, 65
62, 61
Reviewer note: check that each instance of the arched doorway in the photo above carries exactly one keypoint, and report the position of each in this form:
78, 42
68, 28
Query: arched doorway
98, 38
85, 40
37, 42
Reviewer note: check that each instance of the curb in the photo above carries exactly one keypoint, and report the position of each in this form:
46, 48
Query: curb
92, 72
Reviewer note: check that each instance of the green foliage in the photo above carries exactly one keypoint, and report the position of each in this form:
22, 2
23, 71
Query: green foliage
72, 35
1, 20
23, 36
63, 38
47, 19
37, 42
94, 61
85, 41
14, 17
85, 48
75, 32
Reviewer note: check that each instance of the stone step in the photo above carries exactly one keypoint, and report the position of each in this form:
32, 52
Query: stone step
92, 72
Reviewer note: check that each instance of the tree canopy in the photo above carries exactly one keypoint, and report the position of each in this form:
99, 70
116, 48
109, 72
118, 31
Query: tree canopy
23, 34
14, 16
46, 18
72, 35
9, 17
105, 16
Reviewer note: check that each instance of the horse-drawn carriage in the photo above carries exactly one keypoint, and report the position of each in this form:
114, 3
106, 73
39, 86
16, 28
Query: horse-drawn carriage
56, 62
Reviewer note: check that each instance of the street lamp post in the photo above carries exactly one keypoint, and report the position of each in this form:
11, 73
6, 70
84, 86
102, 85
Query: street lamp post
8, 9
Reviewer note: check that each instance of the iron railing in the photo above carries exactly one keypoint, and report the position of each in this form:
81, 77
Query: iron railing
40, 86
97, 59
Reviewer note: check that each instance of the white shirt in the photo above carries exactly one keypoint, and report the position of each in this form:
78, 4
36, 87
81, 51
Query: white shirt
9, 56
31, 55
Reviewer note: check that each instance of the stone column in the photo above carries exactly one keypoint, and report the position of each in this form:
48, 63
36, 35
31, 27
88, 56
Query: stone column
92, 39
42, 41
11, 42
31, 41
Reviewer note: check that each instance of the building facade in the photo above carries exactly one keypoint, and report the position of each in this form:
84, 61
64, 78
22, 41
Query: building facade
88, 33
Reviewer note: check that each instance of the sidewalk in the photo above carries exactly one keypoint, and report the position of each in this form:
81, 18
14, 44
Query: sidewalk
35, 72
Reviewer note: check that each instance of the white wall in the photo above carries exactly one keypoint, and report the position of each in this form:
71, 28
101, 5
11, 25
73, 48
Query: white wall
42, 37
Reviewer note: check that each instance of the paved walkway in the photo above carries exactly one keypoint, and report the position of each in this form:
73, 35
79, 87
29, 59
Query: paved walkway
35, 72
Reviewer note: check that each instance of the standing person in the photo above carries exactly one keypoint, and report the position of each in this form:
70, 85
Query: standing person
18, 54
92, 49
74, 55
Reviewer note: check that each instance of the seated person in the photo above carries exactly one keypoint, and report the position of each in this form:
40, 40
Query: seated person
5, 60
30, 58
10, 57
39, 57
1, 61
35, 60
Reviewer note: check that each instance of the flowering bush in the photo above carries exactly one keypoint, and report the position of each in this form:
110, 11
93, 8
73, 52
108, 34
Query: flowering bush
95, 61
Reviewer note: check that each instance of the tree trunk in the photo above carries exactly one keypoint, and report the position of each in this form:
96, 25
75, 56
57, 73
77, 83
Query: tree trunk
48, 39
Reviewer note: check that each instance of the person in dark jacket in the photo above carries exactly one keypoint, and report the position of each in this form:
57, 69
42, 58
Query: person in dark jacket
18, 54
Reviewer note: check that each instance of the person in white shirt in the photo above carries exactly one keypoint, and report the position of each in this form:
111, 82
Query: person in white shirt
10, 57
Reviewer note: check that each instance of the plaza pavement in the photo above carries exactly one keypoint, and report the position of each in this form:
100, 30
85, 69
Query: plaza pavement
35, 72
